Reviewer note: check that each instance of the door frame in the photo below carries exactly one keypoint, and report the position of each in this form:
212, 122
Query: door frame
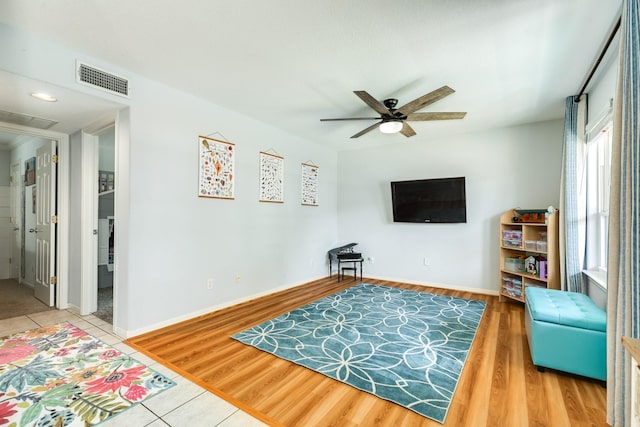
16, 220
89, 215
89, 218
62, 244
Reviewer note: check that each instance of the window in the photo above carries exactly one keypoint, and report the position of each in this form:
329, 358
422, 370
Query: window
598, 177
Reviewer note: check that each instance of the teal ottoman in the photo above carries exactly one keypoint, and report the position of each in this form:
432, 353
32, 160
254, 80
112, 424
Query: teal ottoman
566, 331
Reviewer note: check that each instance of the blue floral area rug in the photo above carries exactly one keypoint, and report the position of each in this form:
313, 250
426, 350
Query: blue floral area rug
404, 346
61, 376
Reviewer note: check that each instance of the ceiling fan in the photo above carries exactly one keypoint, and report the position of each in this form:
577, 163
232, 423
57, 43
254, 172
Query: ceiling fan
394, 119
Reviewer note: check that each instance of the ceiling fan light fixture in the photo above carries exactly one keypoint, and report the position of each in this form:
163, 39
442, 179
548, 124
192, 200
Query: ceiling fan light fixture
391, 126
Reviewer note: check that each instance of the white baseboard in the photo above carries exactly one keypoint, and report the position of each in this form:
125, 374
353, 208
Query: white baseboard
74, 309
438, 285
178, 319
192, 315
24, 282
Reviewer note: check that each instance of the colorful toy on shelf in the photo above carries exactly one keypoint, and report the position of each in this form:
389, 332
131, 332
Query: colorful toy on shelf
530, 265
536, 216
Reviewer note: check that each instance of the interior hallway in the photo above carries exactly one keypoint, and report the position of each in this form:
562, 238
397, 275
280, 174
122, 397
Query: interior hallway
18, 300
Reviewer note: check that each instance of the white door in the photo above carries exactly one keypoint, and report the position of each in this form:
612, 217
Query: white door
16, 219
45, 287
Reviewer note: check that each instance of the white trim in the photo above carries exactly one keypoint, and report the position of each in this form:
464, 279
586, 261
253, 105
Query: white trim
63, 222
74, 309
599, 277
438, 285
194, 314
88, 241
121, 212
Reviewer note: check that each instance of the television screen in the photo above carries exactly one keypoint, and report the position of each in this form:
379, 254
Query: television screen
440, 200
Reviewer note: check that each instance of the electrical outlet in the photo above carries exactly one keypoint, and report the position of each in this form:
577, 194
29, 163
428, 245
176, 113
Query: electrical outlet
210, 284
238, 278
427, 261
371, 259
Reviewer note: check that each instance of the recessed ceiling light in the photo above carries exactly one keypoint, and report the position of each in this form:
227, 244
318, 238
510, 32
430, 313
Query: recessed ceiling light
44, 97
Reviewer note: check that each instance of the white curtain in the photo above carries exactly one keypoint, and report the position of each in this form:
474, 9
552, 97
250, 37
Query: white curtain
573, 204
623, 279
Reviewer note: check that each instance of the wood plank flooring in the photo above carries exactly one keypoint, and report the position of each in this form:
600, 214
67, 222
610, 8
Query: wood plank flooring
499, 385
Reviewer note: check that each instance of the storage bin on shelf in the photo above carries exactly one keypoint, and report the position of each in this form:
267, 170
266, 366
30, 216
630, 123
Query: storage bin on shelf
531, 245
535, 245
512, 287
515, 264
512, 238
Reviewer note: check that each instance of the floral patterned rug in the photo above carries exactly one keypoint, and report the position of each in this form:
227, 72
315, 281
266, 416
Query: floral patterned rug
61, 376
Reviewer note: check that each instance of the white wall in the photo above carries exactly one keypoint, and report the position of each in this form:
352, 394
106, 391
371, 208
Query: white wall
169, 241
504, 168
178, 241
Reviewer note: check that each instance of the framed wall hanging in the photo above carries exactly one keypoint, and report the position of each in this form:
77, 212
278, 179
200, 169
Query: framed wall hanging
310, 184
271, 178
30, 171
216, 175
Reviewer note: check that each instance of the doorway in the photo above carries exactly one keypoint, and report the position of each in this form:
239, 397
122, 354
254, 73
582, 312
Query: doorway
72, 247
106, 222
27, 253
76, 113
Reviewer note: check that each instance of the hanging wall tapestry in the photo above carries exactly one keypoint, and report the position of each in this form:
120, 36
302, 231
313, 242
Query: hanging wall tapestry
271, 178
216, 171
309, 185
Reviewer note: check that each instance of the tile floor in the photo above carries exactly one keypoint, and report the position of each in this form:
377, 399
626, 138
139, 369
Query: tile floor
185, 404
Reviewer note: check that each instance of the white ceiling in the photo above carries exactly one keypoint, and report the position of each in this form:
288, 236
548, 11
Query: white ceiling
72, 111
290, 63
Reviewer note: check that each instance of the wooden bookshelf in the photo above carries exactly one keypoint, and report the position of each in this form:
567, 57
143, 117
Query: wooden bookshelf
524, 247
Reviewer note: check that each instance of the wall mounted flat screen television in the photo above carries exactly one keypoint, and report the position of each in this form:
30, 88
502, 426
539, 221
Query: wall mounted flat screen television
441, 200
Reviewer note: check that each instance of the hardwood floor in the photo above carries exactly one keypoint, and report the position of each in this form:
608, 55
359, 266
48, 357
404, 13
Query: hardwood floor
499, 385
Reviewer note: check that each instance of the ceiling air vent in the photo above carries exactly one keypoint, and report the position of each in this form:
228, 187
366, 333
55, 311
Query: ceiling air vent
26, 120
101, 79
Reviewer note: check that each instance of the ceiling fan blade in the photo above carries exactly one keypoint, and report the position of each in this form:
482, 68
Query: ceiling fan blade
425, 100
350, 118
407, 130
421, 117
372, 102
370, 128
